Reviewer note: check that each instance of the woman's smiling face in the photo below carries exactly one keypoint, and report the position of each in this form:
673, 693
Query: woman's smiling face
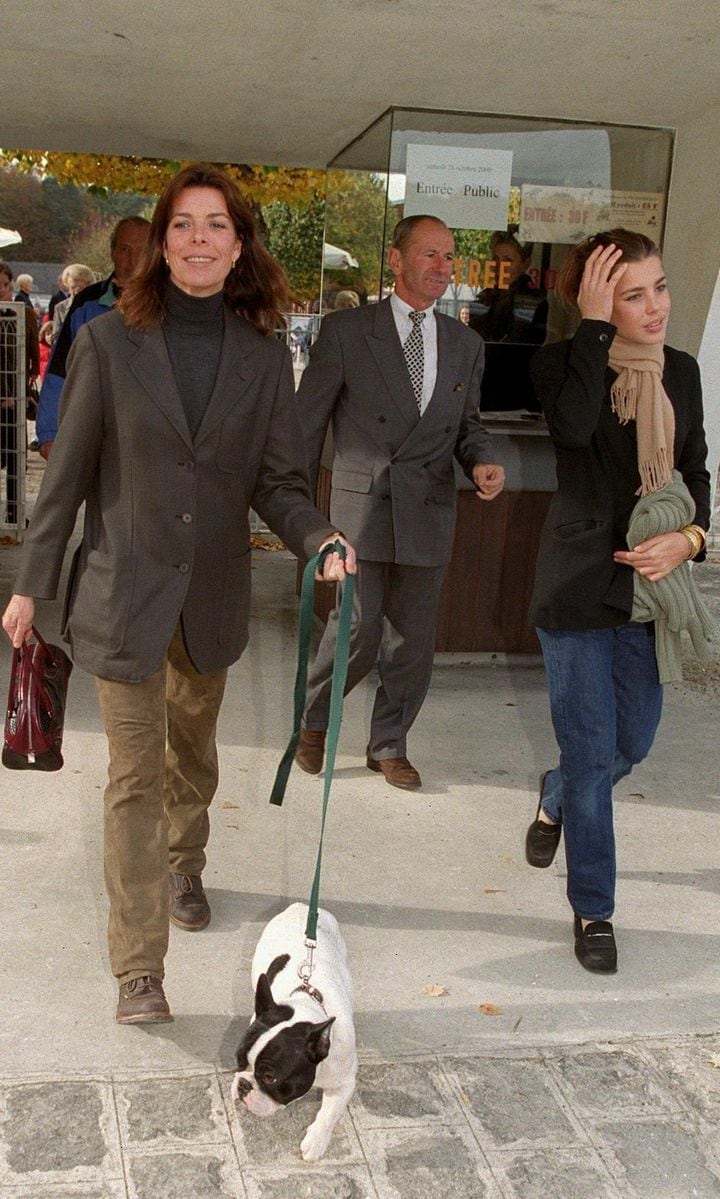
201, 244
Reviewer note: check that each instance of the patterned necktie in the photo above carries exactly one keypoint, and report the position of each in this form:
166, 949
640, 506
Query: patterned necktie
415, 355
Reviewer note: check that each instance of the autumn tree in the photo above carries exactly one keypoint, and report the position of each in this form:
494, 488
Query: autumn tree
355, 218
295, 238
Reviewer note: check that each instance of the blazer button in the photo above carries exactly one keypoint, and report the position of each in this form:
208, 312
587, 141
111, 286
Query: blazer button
186, 518
603, 337
428, 500
382, 419
188, 466
183, 568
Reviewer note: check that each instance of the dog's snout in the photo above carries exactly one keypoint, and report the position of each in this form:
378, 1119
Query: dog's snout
243, 1087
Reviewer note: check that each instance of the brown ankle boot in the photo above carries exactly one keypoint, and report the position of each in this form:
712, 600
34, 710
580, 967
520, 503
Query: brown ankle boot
310, 752
142, 1001
189, 908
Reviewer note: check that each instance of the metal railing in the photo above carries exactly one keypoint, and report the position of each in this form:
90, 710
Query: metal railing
13, 436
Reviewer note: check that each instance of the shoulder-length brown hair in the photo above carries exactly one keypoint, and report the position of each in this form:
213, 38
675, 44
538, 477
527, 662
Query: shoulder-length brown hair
635, 247
256, 287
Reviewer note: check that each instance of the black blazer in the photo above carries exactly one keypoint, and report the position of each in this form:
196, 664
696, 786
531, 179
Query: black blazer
577, 583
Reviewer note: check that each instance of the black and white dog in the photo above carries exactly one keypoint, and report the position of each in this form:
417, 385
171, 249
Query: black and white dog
302, 1036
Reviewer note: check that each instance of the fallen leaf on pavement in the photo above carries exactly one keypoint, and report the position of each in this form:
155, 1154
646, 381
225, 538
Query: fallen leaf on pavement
434, 990
493, 891
715, 1061
225, 804
489, 1009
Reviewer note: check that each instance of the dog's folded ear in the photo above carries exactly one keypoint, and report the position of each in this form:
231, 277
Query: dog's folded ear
317, 1042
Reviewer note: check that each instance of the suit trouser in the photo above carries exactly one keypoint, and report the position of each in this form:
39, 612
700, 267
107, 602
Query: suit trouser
394, 622
163, 773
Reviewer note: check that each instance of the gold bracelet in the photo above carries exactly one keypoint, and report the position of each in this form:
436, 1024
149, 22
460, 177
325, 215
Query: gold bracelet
697, 543
701, 534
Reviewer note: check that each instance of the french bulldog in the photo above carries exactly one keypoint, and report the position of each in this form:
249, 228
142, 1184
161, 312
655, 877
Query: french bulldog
303, 1033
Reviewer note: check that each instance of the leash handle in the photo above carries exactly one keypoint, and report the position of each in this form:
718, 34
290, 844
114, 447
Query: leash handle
337, 695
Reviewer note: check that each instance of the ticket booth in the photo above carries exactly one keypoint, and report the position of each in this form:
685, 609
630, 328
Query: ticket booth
517, 192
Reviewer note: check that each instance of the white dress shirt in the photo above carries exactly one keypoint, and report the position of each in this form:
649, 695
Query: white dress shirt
401, 312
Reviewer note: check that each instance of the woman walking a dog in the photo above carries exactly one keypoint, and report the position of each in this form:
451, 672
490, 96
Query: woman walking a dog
178, 417
623, 410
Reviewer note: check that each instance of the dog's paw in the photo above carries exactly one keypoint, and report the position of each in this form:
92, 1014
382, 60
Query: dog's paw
314, 1143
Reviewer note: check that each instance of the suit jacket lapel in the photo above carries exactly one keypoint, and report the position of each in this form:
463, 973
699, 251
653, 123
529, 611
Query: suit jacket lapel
447, 359
388, 353
152, 368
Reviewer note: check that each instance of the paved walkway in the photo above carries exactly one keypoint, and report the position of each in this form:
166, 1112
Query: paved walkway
525, 1078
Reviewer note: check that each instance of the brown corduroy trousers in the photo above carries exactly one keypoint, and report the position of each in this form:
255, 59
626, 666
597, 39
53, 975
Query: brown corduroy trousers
163, 773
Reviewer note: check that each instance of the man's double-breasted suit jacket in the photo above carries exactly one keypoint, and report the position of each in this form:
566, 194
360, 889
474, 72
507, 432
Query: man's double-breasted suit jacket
393, 484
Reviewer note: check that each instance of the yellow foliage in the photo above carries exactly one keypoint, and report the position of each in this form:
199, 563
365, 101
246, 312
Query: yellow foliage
148, 176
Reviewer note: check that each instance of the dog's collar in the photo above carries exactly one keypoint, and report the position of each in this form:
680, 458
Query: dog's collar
312, 992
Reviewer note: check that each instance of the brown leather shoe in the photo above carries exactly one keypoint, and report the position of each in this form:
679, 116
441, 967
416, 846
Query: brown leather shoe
189, 908
398, 772
310, 752
142, 1001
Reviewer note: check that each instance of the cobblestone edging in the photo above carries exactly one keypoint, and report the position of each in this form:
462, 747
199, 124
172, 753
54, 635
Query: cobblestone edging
606, 1121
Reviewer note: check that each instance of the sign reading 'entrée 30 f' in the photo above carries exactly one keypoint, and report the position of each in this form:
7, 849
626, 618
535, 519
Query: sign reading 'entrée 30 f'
466, 188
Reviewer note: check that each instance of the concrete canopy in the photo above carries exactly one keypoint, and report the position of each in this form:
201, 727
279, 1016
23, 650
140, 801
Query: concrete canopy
293, 81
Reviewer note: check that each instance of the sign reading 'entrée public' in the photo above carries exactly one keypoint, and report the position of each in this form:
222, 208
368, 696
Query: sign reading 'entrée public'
466, 188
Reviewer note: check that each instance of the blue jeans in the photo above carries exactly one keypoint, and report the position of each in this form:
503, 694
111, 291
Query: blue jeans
606, 701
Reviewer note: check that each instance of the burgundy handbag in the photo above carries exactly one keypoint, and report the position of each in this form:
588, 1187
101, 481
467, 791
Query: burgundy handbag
36, 706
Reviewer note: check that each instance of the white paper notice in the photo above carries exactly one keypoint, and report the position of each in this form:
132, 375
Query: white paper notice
466, 188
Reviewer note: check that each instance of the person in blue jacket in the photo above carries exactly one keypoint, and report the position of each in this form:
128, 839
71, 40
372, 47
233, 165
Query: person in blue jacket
126, 245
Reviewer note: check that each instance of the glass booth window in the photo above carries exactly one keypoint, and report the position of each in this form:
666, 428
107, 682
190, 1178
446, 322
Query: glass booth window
517, 193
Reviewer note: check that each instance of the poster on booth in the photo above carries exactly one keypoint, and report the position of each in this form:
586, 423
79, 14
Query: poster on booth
569, 214
465, 188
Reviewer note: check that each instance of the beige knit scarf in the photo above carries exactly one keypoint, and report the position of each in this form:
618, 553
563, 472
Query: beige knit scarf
638, 394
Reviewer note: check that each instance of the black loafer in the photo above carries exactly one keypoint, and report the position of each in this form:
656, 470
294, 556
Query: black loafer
595, 947
542, 839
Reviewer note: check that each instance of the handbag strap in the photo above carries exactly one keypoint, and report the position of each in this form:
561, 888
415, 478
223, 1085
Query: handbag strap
26, 652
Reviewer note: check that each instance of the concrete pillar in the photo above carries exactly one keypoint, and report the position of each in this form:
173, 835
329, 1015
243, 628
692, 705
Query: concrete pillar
692, 260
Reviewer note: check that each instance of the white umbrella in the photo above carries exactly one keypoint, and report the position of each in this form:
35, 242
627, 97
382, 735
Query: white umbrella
335, 259
9, 237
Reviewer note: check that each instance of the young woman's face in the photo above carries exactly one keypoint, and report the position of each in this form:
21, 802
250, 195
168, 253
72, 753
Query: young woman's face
201, 244
641, 305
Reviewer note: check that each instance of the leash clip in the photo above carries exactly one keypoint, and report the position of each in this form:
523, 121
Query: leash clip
305, 968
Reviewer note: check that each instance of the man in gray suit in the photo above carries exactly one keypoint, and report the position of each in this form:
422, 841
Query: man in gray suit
400, 385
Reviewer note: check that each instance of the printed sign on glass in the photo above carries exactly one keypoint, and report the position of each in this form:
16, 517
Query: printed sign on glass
466, 188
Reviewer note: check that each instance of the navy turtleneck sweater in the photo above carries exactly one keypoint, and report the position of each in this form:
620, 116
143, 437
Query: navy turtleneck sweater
193, 331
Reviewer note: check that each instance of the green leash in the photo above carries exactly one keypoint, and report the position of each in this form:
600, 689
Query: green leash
337, 693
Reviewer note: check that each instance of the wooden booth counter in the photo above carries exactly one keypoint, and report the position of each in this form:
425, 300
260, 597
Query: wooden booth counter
487, 590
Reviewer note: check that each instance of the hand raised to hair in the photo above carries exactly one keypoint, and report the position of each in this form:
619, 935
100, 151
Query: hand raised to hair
597, 288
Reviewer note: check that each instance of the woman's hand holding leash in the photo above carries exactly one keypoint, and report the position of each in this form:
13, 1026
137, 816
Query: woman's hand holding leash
333, 567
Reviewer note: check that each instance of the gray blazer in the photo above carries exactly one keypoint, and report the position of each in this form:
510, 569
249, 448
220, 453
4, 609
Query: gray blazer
166, 521
393, 485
